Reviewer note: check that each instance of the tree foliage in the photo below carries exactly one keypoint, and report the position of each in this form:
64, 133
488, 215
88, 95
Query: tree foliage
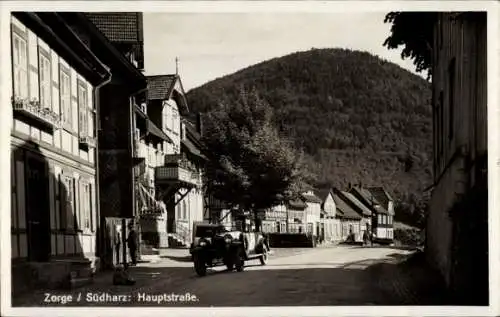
357, 118
251, 166
413, 31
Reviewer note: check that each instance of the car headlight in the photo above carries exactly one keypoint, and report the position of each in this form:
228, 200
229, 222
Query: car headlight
228, 239
203, 243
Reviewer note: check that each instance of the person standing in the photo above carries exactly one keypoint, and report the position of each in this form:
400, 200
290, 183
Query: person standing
132, 243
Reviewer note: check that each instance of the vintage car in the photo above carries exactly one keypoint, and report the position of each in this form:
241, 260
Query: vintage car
229, 248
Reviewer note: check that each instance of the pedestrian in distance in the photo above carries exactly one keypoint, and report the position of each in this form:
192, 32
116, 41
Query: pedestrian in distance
132, 243
365, 237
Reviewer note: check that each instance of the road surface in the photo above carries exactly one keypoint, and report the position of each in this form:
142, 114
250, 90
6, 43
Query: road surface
335, 275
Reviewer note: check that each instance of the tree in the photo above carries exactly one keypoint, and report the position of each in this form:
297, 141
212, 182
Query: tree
251, 165
414, 31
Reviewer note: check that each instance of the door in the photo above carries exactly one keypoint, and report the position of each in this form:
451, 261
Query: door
115, 245
38, 209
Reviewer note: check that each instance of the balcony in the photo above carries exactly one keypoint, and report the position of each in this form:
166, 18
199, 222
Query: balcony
33, 111
87, 141
177, 169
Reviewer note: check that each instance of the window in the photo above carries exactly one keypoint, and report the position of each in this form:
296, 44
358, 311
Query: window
20, 66
184, 210
165, 118
45, 79
67, 210
65, 94
85, 217
83, 111
174, 125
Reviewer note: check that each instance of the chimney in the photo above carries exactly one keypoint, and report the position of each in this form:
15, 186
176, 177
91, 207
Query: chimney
199, 123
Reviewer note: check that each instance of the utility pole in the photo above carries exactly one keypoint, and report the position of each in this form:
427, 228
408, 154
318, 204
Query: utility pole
176, 65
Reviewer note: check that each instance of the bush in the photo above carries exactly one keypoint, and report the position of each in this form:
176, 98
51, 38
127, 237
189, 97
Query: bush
407, 237
291, 240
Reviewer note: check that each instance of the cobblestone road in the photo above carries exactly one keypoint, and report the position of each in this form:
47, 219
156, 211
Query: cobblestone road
335, 275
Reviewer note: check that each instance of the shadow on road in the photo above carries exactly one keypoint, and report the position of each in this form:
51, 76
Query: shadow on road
186, 258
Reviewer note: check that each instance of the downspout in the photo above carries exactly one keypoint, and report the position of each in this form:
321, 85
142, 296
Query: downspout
133, 181
97, 127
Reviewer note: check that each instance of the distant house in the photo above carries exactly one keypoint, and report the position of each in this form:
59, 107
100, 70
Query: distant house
362, 209
381, 220
296, 209
329, 217
350, 220
313, 213
457, 223
383, 197
275, 219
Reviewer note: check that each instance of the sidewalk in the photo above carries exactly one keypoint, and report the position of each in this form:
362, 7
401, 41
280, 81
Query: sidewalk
411, 280
147, 276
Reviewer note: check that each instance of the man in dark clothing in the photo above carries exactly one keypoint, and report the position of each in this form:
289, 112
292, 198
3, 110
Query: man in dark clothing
132, 243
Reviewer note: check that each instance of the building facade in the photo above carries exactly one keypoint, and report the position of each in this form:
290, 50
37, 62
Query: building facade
312, 213
349, 215
378, 219
275, 219
177, 180
296, 211
55, 217
119, 100
457, 228
329, 217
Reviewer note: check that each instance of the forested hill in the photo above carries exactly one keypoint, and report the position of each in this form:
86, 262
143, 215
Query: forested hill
360, 118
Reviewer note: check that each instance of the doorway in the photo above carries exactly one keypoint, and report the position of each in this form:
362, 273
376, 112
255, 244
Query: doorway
38, 210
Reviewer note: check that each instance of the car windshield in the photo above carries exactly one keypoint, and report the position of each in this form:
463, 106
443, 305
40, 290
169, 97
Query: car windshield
208, 231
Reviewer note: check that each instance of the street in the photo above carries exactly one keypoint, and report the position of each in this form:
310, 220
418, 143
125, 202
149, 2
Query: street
331, 275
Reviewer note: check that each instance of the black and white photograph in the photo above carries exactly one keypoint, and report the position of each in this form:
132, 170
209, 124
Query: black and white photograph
235, 155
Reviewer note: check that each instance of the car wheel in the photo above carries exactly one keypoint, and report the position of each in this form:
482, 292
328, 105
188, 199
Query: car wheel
263, 257
200, 266
239, 263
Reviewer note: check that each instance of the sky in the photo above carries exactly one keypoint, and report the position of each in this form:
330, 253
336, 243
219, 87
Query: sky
211, 45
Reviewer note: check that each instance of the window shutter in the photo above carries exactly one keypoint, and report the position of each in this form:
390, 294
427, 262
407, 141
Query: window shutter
70, 209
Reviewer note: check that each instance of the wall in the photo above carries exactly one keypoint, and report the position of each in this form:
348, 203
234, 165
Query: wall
115, 153
60, 151
313, 212
460, 125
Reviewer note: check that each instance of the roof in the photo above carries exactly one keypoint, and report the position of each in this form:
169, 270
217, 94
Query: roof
193, 149
161, 87
107, 51
361, 208
122, 27
312, 198
119, 26
154, 130
369, 200
346, 211
297, 204
380, 195
323, 194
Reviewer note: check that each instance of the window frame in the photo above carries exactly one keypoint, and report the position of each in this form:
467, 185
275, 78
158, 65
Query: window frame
46, 83
19, 66
85, 204
67, 186
83, 108
65, 109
